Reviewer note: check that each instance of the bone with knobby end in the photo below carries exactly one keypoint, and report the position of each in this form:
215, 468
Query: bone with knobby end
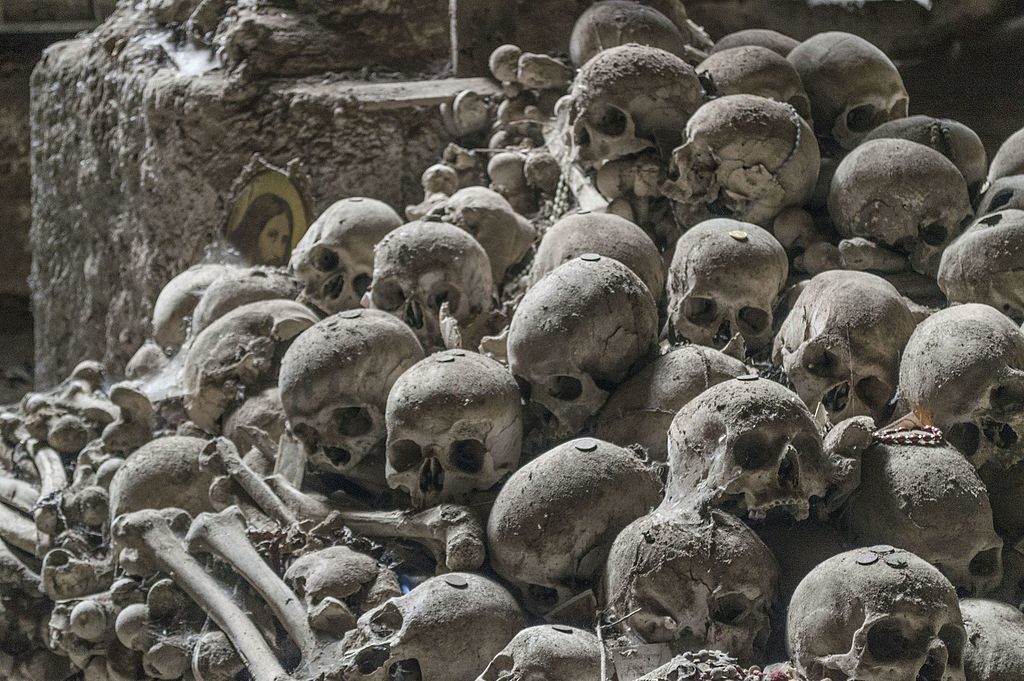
221, 455
224, 535
18, 494
304, 505
451, 532
149, 532
13, 572
18, 530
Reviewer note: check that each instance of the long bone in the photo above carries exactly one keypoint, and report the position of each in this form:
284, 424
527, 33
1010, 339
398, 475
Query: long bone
221, 457
53, 479
18, 494
14, 573
223, 534
18, 530
149, 533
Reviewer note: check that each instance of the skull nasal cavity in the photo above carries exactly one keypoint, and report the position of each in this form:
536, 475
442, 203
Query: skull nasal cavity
789, 472
565, 388
353, 421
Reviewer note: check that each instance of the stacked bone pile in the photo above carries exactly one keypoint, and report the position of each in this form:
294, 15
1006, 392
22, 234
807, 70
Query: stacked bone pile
752, 411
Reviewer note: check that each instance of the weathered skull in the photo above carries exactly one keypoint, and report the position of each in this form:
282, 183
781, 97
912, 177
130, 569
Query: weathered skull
338, 585
334, 259
164, 472
177, 299
260, 415
852, 85
994, 634
630, 98
930, 501
640, 411
902, 195
612, 23
448, 628
755, 70
547, 653
758, 37
505, 235
749, 445
604, 234
334, 384
422, 265
1002, 194
238, 355
984, 265
575, 336
1009, 158
237, 287
877, 614
963, 370
454, 425
954, 140
555, 519
724, 278
694, 581
841, 343
745, 157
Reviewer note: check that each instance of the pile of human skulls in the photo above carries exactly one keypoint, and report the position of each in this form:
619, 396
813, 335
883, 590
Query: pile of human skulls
697, 361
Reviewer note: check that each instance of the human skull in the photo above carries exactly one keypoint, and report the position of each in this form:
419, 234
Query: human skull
176, 302
748, 445
1002, 194
163, 472
238, 355
448, 627
335, 380
604, 234
612, 23
984, 264
755, 70
505, 235
630, 98
237, 287
454, 425
692, 580
994, 633
963, 370
334, 259
1009, 158
260, 415
759, 37
744, 157
575, 336
547, 653
954, 140
852, 85
841, 343
338, 585
422, 265
902, 195
876, 614
724, 278
928, 500
640, 411
554, 520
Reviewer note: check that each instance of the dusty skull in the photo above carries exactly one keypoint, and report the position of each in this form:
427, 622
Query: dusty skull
334, 259
575, 336
1009, 158
876, 614
724, 278
334, 385
611, 23
177, 299
237, 287
994, 633
640, 411
164, 472
963, 370
338, 585
422, 265
760, 37
547, 653
852, 85
930, 501
745, 157
630, 98
749, 445
755, 70
902, 195
554, 520
954, 140
984, 264
238, 354
841, 343
505, 235
693, 580
449, 628
454, 425
604, 234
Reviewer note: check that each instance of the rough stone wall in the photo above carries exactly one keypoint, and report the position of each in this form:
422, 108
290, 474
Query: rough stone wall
134, 163
17, 56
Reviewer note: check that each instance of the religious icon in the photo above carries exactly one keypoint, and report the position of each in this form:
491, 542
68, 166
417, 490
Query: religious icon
269, 218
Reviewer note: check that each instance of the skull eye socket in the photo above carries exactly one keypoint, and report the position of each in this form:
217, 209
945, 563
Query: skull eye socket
820, 362
752, 320
326, 260
986, 563
468, 455
543, 596
887, 642
387, 295
873, 392
565, 388
730, 608
1000, 200
863, 118
700, 311
443, 294
386, 621
955, 638
610, 120
404, 455
933, 234
752, 450
353, 421
361, 284
965, 437
1005, 399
